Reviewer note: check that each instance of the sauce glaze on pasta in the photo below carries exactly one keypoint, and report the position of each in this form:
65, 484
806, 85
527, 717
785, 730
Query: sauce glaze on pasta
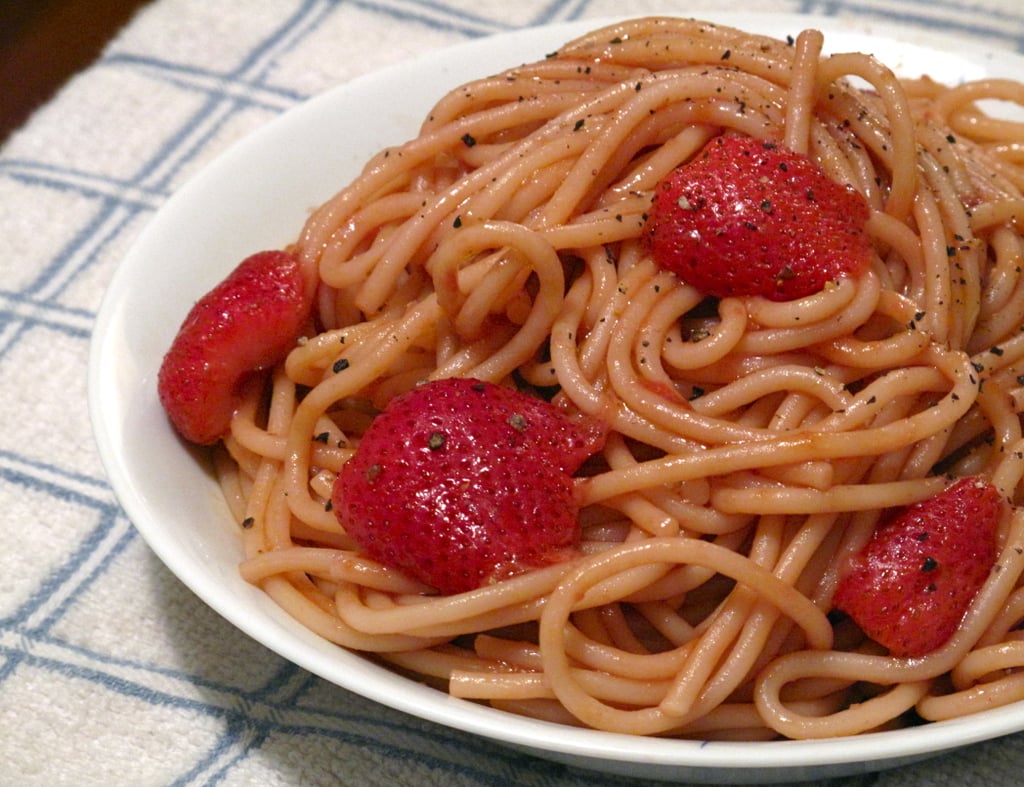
753, 444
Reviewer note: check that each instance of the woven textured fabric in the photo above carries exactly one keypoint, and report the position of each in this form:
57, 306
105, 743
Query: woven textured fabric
111, 671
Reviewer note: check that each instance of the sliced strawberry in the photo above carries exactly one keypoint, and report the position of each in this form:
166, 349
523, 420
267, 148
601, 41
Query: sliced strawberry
460, 483
746, 217
912, 583
245, 324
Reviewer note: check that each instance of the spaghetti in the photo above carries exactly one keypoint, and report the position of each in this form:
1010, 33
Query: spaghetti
753, 444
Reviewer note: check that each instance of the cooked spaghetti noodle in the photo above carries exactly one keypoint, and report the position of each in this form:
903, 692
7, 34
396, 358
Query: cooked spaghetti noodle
753, 444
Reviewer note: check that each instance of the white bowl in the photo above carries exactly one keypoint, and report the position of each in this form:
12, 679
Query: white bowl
257, 196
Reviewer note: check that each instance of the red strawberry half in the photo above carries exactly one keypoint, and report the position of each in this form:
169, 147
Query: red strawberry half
245, 324
911, 585
746, 217
460, 483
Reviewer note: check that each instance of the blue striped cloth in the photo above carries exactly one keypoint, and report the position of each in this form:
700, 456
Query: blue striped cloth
111, 672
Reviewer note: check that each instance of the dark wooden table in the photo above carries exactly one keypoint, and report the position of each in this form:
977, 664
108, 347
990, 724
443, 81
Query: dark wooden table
44, 42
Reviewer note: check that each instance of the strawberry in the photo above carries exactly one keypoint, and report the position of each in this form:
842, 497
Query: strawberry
459, 483
746, 217
245, 324
910, 586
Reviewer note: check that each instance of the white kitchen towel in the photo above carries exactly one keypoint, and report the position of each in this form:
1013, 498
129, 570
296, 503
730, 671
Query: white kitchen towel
111, 671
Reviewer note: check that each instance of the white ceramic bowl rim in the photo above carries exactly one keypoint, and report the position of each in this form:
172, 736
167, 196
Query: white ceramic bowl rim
256, 196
